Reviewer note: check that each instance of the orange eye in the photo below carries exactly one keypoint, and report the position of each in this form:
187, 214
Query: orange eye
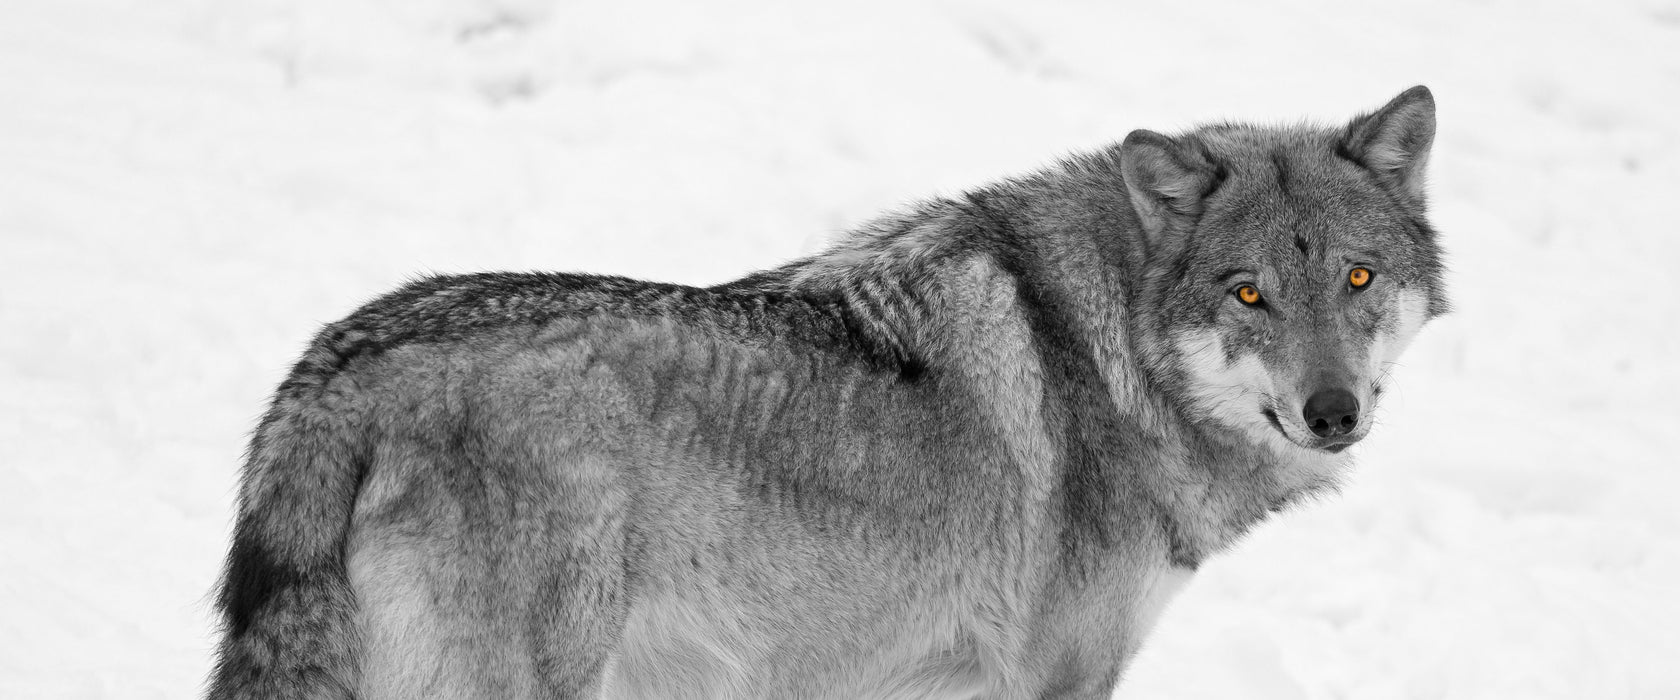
1359, 277
1247, 294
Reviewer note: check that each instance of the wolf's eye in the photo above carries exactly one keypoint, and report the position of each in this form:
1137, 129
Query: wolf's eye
1247, 294
1360, 277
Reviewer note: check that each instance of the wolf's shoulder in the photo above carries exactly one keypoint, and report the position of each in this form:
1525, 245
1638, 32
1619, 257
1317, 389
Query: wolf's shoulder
759, 310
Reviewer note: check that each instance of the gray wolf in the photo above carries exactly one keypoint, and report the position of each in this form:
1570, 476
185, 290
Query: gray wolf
970, 451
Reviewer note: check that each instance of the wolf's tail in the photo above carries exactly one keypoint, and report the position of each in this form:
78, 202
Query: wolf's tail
285, 597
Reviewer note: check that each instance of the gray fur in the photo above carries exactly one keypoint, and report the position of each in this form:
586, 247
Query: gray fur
969, 452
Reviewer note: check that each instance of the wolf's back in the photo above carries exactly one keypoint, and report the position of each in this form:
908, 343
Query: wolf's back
285, 598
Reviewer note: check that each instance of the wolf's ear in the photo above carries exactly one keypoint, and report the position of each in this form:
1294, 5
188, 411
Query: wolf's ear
1167, 180
1394, 141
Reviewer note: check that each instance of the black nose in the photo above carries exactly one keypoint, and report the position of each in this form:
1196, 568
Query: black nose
1332, 412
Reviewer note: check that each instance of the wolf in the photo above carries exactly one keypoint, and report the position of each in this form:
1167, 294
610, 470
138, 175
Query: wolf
969, 451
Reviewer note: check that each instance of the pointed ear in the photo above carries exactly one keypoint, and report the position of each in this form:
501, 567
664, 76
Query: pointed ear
1167, 179
1394, 141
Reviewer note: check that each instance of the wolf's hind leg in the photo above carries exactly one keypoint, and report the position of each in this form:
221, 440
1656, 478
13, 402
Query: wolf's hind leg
485, 577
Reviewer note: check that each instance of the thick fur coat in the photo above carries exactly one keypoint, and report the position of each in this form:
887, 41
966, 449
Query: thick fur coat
969, 452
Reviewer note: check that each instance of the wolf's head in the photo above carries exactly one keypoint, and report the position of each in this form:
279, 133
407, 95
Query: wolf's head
1288, 267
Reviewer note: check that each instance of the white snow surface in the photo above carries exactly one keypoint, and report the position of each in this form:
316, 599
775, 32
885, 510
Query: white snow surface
188, 189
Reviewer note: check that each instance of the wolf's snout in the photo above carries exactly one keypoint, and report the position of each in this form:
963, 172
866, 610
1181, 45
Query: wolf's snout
1332, 412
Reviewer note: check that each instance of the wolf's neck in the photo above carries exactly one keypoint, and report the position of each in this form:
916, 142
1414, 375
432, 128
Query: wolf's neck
1124, 433
1007, 301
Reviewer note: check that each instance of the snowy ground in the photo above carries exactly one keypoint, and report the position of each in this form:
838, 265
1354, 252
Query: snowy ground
188, 188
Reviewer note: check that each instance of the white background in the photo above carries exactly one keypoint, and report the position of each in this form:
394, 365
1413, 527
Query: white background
189, 188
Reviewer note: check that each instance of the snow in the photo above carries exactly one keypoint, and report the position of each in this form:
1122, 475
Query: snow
188, 188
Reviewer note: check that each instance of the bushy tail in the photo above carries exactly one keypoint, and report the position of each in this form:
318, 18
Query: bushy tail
285, 597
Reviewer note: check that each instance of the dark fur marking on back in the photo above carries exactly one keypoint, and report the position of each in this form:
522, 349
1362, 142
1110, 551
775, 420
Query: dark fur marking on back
451, 308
